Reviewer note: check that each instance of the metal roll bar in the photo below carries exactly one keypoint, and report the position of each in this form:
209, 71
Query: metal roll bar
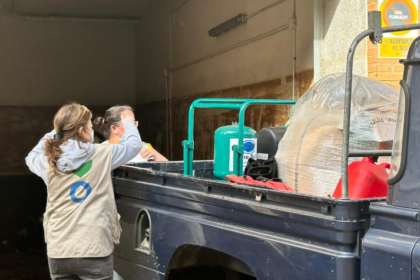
374, 32
221, 103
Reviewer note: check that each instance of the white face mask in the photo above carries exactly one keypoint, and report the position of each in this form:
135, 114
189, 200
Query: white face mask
122, 139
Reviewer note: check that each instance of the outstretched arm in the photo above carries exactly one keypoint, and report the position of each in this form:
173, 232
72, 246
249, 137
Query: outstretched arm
147, 153
122, 153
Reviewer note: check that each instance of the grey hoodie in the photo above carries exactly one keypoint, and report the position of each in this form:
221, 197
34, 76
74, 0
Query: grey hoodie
76, 153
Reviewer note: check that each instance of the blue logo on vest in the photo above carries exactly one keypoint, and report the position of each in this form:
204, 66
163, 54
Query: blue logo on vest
77, 185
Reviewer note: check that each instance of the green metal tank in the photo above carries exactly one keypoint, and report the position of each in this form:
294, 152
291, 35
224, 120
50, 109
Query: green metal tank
224, 139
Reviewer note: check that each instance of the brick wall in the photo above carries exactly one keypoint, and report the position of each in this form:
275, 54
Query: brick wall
389, 71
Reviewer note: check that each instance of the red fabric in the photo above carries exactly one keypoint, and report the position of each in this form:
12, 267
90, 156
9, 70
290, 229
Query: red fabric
249, 181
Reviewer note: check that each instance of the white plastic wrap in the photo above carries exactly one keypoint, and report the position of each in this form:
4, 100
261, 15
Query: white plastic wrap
309, 155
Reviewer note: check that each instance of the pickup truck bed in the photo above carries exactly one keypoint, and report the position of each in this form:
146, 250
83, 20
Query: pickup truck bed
201, 228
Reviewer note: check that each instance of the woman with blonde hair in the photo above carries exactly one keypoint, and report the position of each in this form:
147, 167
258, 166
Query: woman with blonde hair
81, 222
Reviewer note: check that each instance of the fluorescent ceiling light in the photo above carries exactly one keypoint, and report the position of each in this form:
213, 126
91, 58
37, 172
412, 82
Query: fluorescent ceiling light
216, 31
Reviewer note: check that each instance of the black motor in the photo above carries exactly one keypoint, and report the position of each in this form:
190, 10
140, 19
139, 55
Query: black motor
268, 141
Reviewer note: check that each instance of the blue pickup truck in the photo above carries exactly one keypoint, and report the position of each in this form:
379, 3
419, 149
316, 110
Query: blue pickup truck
183, 227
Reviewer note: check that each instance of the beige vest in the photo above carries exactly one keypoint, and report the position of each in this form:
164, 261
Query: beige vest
81, 218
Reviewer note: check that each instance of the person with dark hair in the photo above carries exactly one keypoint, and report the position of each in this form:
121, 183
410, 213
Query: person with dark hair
111, 127
81, 222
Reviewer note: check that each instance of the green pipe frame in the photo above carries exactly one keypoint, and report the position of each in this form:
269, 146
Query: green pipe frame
222, 103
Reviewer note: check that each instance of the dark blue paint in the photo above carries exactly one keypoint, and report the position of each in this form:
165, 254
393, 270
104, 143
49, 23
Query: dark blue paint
406, 193
274, 241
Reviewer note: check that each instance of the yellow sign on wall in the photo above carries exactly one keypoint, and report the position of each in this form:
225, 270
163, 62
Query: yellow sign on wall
397, 12
395, 47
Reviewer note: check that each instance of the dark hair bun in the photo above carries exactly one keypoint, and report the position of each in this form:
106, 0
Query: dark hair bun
99, 125
99, 121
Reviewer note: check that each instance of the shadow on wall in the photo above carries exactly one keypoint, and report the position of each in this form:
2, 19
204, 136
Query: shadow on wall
22, 246
152, 121
329, 7
24, 127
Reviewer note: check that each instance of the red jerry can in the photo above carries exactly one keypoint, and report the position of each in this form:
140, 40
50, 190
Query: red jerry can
366, 180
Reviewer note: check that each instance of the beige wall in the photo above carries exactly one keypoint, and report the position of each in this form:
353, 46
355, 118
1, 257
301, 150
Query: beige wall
341, 21
46, 62
244, 62
152, 50
76, 8
177, 35
49, 62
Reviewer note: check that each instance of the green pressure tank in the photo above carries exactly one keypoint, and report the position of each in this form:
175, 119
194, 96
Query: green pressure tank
224, 139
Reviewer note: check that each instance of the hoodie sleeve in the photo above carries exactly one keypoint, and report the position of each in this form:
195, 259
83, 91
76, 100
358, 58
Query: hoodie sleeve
37, 160
124, 152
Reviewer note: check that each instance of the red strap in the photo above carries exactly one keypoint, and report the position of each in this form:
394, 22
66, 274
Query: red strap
250, 181
84, 112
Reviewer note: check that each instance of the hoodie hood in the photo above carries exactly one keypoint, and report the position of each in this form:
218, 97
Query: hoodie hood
74, 154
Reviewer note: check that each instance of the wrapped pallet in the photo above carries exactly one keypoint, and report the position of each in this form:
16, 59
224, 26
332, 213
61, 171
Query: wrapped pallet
309, 155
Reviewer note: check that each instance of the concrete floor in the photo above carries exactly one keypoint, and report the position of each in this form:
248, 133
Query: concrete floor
25, 265
22, 247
